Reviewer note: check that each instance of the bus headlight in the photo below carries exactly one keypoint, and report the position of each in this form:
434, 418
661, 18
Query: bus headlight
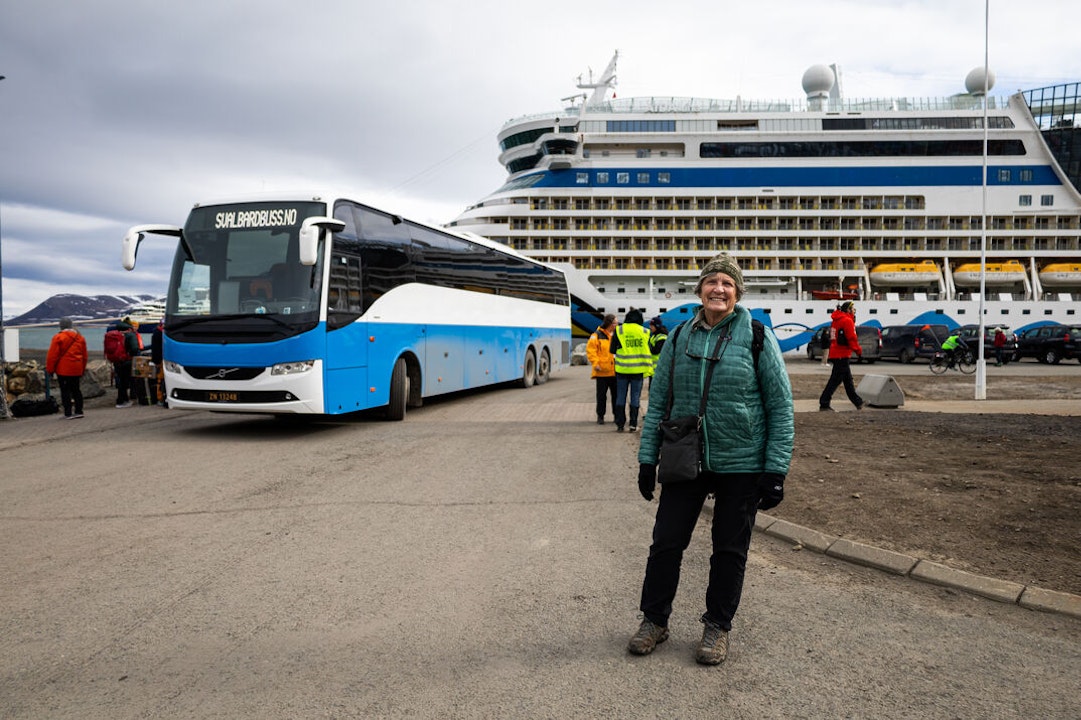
292, 368
172, 367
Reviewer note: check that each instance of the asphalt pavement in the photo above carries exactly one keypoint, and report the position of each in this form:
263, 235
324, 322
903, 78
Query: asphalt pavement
29, 431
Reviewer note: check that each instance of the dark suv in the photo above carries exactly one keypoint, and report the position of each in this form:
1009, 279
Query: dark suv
870, 343
908, 342
1049, 343
969, 333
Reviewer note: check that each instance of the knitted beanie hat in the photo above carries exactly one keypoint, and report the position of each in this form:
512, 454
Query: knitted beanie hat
66, 323
722, 263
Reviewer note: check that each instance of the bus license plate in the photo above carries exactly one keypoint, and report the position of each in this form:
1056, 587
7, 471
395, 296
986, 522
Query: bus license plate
213, 396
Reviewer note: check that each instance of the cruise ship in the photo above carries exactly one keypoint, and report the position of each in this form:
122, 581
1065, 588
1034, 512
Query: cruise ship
891, 202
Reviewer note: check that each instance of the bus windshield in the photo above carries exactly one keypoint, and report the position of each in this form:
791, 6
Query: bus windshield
241, 262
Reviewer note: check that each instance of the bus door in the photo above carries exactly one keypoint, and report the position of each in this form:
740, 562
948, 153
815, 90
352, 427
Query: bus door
347, 348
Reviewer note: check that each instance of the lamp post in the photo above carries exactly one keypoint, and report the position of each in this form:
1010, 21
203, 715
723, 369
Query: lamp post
5, 411
981, 362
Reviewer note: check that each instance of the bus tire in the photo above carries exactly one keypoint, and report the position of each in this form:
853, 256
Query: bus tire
529, 369
544, 367
399, 391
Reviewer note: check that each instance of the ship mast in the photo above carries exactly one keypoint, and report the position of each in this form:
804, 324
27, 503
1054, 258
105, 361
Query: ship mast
600, 88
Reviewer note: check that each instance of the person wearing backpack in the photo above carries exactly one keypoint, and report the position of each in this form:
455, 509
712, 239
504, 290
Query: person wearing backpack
133, 344
116, 352
718, 367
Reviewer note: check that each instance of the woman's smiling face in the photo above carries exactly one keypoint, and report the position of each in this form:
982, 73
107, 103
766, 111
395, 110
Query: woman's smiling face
718, 295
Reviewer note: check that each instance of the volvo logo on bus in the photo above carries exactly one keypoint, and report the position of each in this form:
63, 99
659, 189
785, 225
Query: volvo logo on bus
221, 373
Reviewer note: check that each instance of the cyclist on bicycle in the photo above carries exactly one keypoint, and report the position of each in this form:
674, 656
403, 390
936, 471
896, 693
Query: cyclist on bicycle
952, 346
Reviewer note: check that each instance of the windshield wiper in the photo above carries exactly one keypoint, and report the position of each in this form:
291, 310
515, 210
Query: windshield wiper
179, 324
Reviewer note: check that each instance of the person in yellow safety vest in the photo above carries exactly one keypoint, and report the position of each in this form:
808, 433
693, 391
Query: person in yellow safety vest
599, 352
630, 345
953, 345
658, 333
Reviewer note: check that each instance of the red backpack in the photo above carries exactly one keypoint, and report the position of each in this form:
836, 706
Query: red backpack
115, 351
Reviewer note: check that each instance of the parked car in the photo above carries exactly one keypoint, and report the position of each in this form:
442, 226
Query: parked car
908, 342
1049, 343
969, 333
870, 342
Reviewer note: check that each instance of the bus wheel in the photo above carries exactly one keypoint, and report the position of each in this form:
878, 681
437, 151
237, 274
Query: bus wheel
399, 391
544, 368
529, 372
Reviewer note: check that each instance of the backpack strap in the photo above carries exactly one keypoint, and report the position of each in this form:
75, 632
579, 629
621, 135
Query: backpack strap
758, 341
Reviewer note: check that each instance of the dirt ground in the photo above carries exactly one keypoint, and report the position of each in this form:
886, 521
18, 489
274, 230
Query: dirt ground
996, 495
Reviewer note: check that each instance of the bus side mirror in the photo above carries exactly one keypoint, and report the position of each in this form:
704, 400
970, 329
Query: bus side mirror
309, 236
130, 247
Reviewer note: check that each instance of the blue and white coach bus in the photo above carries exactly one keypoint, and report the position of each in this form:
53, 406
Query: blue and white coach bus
328, 306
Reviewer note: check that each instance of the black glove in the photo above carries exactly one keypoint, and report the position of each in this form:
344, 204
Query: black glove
770, 490
647, 480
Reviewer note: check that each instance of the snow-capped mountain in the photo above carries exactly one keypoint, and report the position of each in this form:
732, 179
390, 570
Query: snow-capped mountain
81, 307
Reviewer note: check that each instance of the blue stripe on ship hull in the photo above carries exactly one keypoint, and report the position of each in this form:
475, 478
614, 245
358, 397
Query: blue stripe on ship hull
896, 176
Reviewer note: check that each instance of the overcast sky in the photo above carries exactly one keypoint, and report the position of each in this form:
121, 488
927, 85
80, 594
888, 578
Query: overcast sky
117, 113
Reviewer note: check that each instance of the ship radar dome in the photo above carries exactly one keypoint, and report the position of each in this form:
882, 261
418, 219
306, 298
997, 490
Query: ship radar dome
974, 81
817, 81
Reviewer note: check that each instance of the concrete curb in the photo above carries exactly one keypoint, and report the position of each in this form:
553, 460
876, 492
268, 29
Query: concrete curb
1027, 596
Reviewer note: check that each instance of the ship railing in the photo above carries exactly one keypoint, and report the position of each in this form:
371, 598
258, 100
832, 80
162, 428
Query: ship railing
659, 104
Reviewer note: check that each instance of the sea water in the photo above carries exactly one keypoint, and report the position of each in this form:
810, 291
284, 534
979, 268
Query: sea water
39, 338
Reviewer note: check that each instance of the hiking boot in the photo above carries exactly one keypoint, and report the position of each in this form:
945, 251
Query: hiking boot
825, 409
714, 646
648, 637
634, 428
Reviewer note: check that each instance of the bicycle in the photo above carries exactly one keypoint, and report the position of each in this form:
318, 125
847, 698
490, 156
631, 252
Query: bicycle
964, 361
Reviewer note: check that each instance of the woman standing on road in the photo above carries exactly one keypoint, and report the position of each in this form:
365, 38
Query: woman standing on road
747, 434
844, 340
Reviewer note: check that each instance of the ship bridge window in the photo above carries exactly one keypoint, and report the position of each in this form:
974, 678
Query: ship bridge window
1047, 200
737, 124
582, 178
1024, 200
641, 126
860, 148
643, 178
664, 178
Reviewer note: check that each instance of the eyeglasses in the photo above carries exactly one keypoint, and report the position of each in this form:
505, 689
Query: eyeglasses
718, 350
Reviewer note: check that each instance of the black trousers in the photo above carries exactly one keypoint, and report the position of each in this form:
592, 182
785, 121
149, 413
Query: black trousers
842, 373
734, 510
606, 387
123, 380
71, 395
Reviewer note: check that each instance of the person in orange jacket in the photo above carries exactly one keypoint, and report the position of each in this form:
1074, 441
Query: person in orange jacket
603, 362
67, 358
843, 342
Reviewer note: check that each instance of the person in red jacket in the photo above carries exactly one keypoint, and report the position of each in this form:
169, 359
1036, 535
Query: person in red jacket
843, 342
67, 358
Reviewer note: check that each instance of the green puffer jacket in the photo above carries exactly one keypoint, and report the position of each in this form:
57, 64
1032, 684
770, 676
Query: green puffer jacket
744, 430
